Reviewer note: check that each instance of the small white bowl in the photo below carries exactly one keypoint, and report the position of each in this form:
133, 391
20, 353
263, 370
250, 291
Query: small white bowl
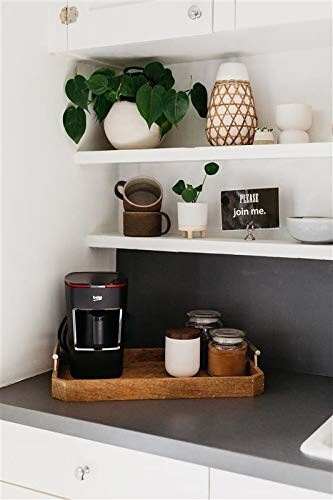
293, 116
311, 229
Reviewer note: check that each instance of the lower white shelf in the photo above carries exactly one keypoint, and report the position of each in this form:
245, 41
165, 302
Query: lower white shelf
214, 245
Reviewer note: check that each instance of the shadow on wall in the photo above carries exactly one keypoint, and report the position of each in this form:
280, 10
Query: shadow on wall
283, 304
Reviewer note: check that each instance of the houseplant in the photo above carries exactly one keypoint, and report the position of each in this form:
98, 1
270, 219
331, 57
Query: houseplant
192, 216
138, 106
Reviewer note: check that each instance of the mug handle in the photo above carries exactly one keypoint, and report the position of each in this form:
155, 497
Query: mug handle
168, 221
116, 189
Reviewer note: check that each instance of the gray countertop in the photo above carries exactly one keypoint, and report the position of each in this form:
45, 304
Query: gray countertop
257, 436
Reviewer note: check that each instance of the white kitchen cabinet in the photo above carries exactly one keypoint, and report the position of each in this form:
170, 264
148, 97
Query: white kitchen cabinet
121, 22
255, 13
228, 485
57, 30
54, 463
224, 15
9, 491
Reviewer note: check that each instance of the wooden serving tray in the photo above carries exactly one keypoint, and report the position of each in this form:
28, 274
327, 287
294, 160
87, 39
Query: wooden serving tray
145, 377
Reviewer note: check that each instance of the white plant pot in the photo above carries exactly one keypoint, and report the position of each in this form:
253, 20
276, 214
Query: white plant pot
126, 129
192, 217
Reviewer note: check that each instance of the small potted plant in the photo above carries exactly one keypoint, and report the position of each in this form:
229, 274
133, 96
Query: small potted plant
192, 216
138, 106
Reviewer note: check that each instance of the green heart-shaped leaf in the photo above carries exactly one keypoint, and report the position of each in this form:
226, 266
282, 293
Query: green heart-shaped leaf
189, 194
211, 168
154, 71
179, 187
164, 124
167, 80
199, 188
175, 106
102, 106
126, 87
74, 120
137, 82
107, 72
98, 84
149, 101
77, 91
199, 98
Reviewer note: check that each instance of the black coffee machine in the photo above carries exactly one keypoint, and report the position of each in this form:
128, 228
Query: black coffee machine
92, 334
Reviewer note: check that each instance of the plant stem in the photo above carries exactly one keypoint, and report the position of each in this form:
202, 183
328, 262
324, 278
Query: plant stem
203, 182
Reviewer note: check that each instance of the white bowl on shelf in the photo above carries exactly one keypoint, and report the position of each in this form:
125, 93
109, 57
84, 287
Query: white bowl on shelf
293, 116
311, 229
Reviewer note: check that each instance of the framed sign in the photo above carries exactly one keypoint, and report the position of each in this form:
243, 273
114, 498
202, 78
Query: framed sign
250, 207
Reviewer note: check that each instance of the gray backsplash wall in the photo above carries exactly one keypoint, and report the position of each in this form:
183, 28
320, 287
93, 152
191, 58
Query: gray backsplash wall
285, 305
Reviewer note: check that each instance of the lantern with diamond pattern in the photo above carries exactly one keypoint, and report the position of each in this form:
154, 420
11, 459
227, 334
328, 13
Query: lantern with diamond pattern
231, 117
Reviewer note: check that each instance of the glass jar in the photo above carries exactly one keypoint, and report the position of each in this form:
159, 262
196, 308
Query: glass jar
206, 321
227, 353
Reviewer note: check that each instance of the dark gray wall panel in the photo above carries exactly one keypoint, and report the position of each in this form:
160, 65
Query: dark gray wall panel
285, 305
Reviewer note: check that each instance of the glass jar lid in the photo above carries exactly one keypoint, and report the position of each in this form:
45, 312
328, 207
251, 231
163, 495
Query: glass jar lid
204, 316
229, 336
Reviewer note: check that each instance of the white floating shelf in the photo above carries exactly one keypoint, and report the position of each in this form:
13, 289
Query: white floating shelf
214, 245
205, 153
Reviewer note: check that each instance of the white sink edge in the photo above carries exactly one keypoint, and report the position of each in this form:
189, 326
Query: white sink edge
316, 445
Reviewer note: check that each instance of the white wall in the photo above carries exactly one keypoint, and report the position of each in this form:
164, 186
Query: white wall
49, 204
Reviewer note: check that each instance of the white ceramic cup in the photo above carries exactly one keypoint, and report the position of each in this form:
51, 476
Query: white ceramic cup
293, 116
182, 357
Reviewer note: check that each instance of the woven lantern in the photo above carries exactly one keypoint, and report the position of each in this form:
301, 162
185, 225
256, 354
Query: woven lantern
231, 117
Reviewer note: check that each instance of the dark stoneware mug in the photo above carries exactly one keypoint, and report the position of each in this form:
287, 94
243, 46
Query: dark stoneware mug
140, 194
145, 223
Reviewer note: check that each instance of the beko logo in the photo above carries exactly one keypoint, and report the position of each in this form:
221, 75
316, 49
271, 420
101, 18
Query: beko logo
97, 298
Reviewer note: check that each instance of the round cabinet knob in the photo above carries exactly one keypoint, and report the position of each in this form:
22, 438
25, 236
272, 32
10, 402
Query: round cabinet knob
194, 12
80, 472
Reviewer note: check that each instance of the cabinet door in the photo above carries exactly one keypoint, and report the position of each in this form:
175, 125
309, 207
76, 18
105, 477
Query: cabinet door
227, 485
9, 491
117, 22
57, 30
224, 15
71, 467
252, 13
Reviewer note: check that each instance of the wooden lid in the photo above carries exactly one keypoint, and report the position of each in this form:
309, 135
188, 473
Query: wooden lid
183, 333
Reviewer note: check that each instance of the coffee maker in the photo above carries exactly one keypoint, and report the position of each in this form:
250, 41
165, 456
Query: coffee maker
93, 332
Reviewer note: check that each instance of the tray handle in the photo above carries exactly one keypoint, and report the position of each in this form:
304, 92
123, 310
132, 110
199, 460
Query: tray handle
256, 352
55, 356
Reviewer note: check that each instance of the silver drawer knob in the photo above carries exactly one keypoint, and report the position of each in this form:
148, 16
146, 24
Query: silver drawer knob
80, 472
194, 12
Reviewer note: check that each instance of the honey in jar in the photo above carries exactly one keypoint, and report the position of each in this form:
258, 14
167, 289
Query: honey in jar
227, 353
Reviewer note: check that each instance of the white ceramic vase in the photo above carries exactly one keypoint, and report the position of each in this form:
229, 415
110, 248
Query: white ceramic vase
231, 118
293, 120
192, 217
126, 129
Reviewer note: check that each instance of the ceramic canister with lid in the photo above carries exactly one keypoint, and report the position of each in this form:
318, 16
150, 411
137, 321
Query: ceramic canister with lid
182, 352
227, 353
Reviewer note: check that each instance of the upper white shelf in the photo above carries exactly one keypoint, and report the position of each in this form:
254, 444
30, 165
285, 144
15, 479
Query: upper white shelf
205, 153
214, 245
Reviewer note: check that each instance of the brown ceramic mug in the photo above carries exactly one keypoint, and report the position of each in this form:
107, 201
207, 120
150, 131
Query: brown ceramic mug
145, 223
140, 194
